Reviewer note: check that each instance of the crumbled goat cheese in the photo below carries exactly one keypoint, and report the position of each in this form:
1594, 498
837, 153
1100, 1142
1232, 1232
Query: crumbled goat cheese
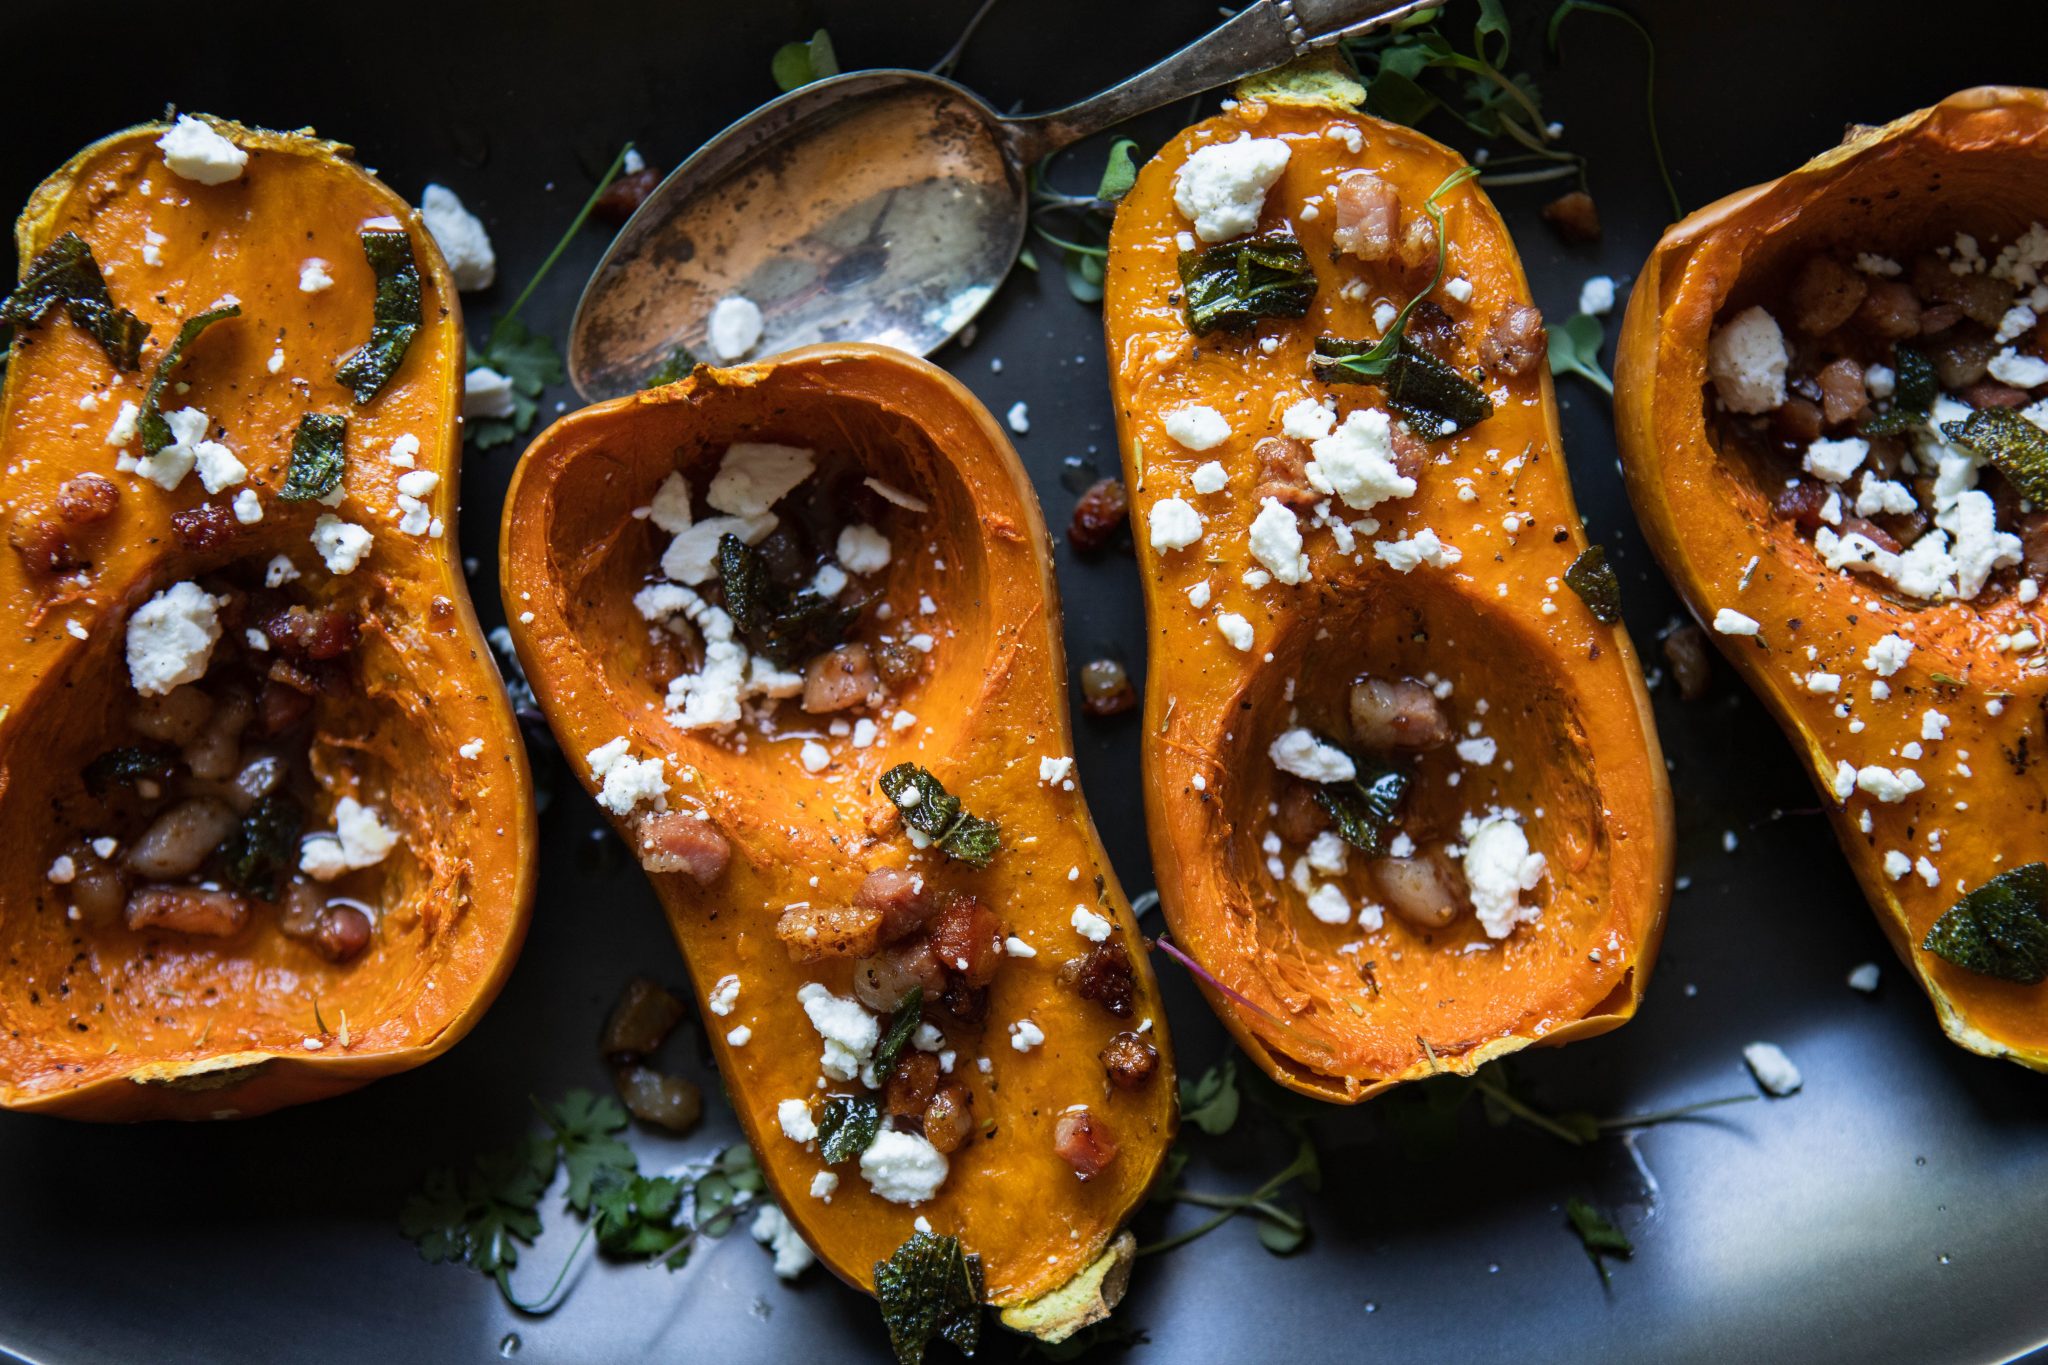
1356, 462
774, 1231
1596, 295
1888, 785
1222, 187
734, 328
1055, 770
360, 839
1835, 461
1730, 622
724, 994
313, 276
248, 506
692, 557
1498, 868
1864, 977
460, 235
861, 549
1888, 655
1408, 553
1175, 524
1299, 753
755, 475
1772, 1068
849, 1031
171, 638
1329, 904
1746, 359
1197, 427
486, 393
626, 781
1090, 925
1276, 542
195, 151
1209, 478
1025, 1035
670, 507
1307, 420
1236, 630
903, 1168
341, 544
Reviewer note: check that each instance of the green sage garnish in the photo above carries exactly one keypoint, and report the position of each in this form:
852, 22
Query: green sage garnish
901, 1025
846, 1127
930, 810
394, 319
1430, 395
2000, 929
156, 432
1369, 362
127, 766
1362, 808
264, 848
318, 456
2009, 441
1229, 286
1913, 394
783, 627
930, 1288
65, 272
1594, 580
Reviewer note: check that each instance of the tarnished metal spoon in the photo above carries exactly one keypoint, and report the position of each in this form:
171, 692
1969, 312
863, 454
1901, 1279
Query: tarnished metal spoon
881, 206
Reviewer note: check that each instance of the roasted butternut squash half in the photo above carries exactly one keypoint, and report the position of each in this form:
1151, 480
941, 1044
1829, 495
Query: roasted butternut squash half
1406, 805
272, 826
1833, 406
795, 625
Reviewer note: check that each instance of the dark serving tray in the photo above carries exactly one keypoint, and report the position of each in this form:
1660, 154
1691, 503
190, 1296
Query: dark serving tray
1896, 1209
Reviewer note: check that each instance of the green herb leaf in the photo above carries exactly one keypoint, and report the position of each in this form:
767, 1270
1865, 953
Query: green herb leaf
156, 433
480, 1217
1231, 285
1084, 273
1575, 349
929, 809
1362, 809
2010, 441
65, 272
1599, 1236
394, 318
676, 368
1211, 1103
1913, 393
635, 1215
846, 1127
1282, 1229
796, 65
907, 1017
1594, 580
128, 765
1434, 399
930, 1287
585, 1126
2000, 929
785, 628
264, 849
319, 453
1119, 172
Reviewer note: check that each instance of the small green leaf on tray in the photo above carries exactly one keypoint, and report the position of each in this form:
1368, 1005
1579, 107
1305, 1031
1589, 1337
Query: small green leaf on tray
1119, 172
1574, 348
394, 318
155, 431
780, 626
1362, 808
796, 65
2010, 441
480, 1217
904, 1023
586, 1128
930, 1288
2000, 929
65, 272
936, 815
1211, 1102
1599, 1236
635, 1215
1594, 580
263, 851
1913, 393
846, 1127
1230, 286
319, 453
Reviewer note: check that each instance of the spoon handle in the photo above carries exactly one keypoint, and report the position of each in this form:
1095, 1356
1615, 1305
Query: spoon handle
1259, 37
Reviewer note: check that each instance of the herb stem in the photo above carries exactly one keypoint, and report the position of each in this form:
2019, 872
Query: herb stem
1232, 1205
1065, 245
1535, 1118
540, 1305
1683, 1111
575, 226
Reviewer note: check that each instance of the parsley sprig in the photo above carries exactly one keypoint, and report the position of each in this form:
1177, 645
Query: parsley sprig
528, 358
1575, 349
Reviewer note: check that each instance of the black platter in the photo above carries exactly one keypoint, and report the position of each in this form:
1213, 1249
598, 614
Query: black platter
1896, 1209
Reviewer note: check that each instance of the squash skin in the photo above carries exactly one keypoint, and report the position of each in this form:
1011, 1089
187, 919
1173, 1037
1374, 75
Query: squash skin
1970, 163
455, 907
994, 702
1588, 744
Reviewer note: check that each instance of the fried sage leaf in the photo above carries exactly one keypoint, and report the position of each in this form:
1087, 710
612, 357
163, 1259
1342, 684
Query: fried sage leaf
394, 318
65, 272
2010, 441
1913, 393
264, 848
783, 627
1362, 808
2000, 929
930, 1287
934, 813
128, 765
846, 1126
318, 457
1594, 580
1434, 398
1229, 286
902, 1024
155, 431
